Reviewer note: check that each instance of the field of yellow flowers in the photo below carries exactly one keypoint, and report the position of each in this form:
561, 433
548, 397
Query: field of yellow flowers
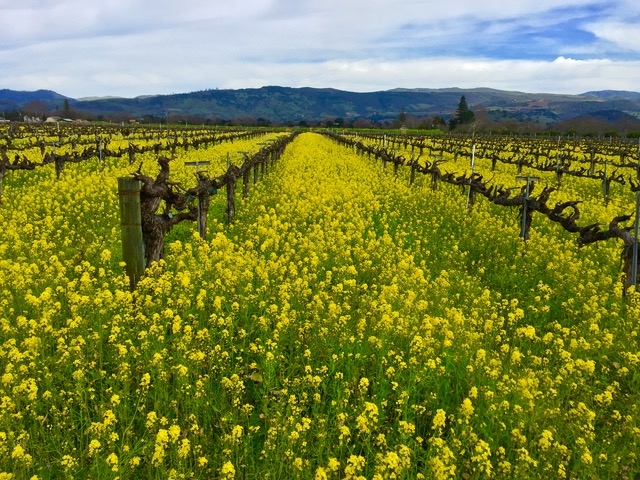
347, 325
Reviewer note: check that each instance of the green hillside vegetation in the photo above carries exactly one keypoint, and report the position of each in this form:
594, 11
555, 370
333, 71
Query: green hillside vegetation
592, 113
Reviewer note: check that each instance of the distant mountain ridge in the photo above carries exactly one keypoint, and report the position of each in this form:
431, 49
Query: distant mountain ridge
287, 104
24, 96
15, 100
614, 94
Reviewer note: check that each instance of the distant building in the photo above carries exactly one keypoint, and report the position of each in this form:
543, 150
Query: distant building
57, 119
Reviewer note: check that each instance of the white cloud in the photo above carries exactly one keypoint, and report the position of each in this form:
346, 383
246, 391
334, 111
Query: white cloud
135, 47
621, 34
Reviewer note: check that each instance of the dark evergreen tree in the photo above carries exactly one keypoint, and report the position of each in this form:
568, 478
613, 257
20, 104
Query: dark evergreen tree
66, 109
463, 114
401, 120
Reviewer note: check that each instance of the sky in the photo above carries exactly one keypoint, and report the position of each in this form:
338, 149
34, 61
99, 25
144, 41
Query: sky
127, 48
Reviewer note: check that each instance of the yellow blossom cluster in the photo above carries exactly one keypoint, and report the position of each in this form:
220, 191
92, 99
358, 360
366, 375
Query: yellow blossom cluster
347, 325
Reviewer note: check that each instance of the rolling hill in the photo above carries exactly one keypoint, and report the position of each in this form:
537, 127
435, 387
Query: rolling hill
285, 104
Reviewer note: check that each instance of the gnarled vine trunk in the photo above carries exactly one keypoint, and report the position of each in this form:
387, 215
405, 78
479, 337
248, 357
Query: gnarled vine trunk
156, 225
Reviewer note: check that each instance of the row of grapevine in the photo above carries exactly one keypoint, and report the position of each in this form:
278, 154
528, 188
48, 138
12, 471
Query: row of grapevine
564, 213
347, 324
83, 145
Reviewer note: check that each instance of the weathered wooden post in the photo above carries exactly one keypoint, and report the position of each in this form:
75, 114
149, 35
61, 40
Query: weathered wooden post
59, 163
638, 167
558, 175
203, 190
131, 229
202, 226
246, 170
2, 169
132, 153
4, 164
100, 156
494, 160
526, 216
605, 183
634, 265
473, 161
412, 178
232, 174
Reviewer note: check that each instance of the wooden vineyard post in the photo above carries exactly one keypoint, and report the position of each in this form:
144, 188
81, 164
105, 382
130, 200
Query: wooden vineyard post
202, 225
395, 159
412, 178
246, 171
273, 156
526, 216
132, 153
232, 174
202, 217
605, 184
262, 145
100, 156
58, 160
473, 161
59, 163
494, 160
203, 190
638, 167
434, 170
558, 163
634, 264
131, 229
245, 182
